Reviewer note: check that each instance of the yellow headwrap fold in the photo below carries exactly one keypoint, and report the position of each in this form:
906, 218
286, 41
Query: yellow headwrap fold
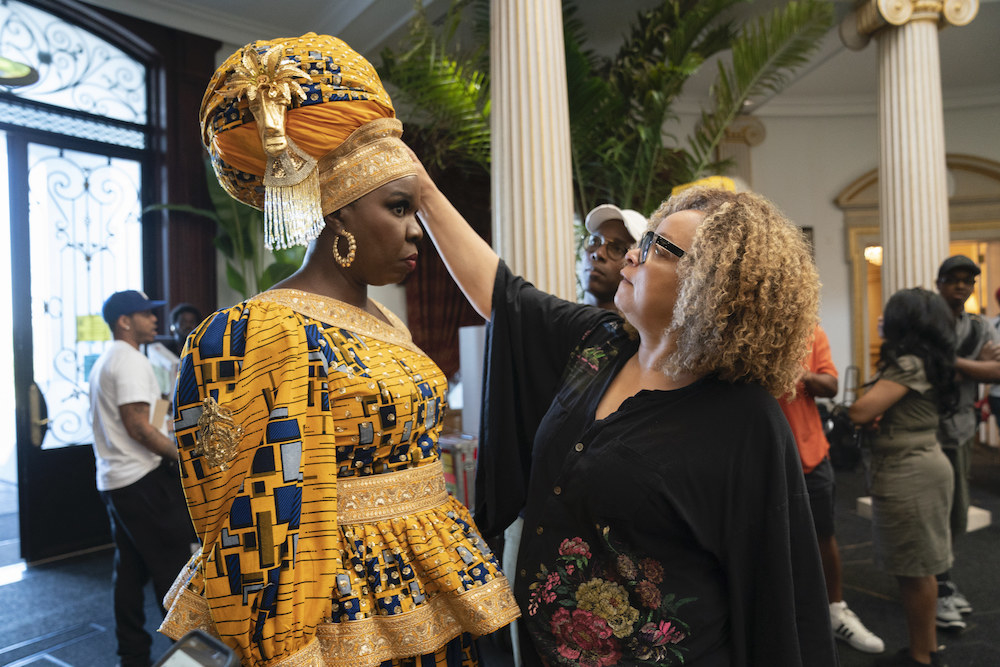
315, 97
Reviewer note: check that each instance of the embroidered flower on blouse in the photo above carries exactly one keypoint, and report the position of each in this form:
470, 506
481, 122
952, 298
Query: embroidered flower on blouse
661, 633
594, 611
574, 547
652, 570
584, 639
592, 357
626, 568
609, 601
649, 594
547, 592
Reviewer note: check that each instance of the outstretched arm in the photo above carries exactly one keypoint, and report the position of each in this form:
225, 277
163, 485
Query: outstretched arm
470, 260
882, 395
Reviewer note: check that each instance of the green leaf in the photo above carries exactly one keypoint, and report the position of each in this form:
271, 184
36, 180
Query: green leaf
293, 255
765, 53
183, 208
275, 272
224, 243
445, 90
236, 280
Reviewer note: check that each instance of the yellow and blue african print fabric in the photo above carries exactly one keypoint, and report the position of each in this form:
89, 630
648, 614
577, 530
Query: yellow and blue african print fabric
328, 535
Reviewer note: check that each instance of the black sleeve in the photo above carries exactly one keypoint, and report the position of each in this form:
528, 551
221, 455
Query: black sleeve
772, 555
528, 340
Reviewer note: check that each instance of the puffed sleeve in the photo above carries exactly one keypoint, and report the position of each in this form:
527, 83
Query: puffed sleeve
909, 372
256, 374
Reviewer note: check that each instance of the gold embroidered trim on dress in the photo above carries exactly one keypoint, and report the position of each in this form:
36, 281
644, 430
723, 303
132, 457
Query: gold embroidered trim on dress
340, 314
310, 656
390, 495
369, 642
187, 611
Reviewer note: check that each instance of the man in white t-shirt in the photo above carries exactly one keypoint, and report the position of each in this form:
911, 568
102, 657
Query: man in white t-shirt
136, 474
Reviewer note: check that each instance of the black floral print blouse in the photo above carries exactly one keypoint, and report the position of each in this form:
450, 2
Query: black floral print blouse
676, 531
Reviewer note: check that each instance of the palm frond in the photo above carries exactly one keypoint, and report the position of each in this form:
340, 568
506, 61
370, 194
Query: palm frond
447, 96
664, 48
765, 54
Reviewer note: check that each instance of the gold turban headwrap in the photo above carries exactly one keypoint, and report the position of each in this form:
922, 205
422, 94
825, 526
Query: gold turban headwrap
300, 127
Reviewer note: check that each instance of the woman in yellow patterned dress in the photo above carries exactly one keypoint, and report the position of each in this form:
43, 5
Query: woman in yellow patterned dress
307, 420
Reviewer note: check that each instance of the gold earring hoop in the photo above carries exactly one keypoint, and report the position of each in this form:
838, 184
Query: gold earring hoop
352, 246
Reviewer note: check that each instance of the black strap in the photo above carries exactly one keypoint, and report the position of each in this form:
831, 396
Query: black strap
969, 343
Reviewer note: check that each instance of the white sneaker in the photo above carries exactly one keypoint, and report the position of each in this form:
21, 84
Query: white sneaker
961, 602
948, 616
847, 627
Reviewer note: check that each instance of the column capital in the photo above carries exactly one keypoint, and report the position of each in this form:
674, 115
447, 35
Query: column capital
870, 16
746, 130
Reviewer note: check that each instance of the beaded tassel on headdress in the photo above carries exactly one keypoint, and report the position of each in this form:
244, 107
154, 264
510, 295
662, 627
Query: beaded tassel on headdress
293, 212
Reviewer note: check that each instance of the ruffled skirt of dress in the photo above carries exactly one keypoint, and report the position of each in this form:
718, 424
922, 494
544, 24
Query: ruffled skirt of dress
405, 585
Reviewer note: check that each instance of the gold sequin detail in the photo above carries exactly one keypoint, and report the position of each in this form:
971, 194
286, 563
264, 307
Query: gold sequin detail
218, 435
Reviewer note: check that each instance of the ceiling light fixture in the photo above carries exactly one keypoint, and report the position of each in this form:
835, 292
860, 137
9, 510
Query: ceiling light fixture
14, 73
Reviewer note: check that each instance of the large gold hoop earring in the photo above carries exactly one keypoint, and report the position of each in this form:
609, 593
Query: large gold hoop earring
352, 246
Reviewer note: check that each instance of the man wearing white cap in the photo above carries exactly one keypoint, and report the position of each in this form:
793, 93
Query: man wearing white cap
612, 232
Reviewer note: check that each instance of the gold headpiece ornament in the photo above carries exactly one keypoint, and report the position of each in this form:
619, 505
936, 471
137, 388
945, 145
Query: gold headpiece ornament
300, 127
292, 214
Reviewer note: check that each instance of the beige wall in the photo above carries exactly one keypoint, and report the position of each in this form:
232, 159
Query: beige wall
805, 162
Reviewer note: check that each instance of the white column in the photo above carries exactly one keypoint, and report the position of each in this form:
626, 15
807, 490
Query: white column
531, 171
913, 191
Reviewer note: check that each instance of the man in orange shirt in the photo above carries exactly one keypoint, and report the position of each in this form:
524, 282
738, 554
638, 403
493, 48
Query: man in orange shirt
819, 378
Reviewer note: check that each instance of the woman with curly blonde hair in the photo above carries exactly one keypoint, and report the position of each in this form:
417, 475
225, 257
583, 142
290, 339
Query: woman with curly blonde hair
665, 518
747, 305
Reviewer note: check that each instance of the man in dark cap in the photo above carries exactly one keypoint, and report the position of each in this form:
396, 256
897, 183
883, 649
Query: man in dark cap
978, 360
136, 474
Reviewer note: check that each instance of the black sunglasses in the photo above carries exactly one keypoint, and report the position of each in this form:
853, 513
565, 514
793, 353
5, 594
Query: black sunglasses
647, 242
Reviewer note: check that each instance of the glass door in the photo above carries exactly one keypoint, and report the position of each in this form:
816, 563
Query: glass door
76, 237
77, 156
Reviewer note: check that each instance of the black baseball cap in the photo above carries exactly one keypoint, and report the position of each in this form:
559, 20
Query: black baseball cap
125, 303
956, 262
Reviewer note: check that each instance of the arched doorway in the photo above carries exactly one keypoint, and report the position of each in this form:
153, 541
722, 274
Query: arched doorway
974, 224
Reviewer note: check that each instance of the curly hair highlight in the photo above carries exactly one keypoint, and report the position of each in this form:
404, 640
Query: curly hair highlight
749, 291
